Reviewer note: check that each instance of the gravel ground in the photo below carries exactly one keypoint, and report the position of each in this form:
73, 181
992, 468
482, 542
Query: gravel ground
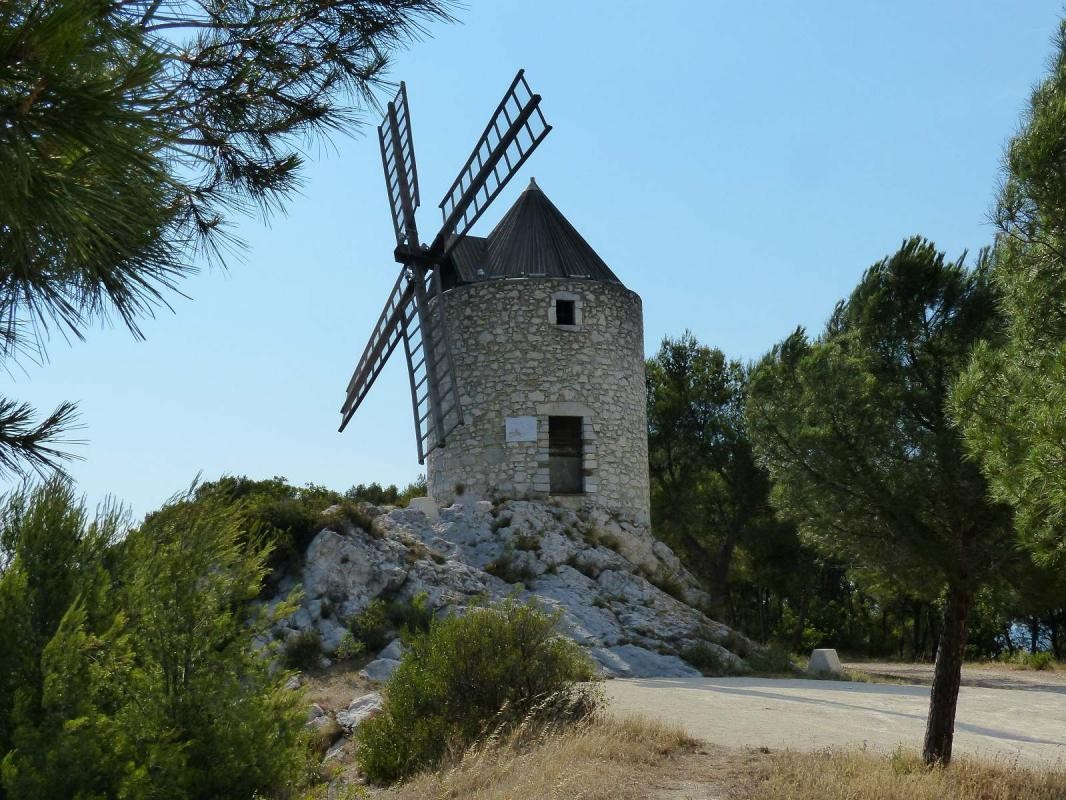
1024, 725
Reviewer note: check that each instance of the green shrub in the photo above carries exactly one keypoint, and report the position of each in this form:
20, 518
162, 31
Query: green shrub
491, 668
708, 659
377, 624
349, 648
736, 643
371, 626
666, 583
508, 569
1041, 661
771, 658
286, 517
148, 678
339, 516
303, 650
411, 617
379, 495
527, 541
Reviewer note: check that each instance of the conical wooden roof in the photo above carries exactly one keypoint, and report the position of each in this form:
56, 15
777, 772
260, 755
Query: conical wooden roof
533, 239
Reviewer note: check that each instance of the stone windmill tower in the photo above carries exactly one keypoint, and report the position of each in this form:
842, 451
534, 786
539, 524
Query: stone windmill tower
524, 350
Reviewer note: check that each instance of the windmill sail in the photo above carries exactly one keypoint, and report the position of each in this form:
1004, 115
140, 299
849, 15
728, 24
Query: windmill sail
413, 315
398, 314
513, 133
434, 387
415, 312
401, 175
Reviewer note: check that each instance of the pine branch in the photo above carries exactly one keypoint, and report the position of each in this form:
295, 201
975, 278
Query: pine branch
27, 446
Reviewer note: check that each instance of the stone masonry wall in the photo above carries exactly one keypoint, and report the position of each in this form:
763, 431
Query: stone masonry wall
512, 360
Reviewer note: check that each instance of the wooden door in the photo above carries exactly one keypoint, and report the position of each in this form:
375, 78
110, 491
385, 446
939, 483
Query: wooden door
564, 455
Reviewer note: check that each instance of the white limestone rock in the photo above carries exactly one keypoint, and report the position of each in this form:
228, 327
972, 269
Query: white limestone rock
586, 621
380, 669
630, 661
393, 650
317, 718
301, 620
555, 549
525, 563
666, 556
356, 567
331, 634
339, 748
595, 560
592, 568
448, 584
358, 711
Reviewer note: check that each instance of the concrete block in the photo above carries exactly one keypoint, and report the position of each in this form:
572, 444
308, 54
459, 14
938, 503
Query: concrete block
825, 662
426, 506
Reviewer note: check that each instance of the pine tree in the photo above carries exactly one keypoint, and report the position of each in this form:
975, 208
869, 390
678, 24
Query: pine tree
53, 589
140, 666
132, 132
855, 430
708, 494
1012, 400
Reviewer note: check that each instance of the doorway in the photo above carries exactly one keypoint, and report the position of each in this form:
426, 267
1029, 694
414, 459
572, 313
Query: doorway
565, 455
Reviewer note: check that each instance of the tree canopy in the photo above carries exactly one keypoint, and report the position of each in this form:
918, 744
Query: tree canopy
135, 662
707, 491
132, 133
855, 430
1012, 400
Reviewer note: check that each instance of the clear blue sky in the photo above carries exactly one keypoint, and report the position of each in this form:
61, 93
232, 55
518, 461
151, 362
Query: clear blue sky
737, 164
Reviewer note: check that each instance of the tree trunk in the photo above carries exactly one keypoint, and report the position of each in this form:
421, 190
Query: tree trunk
901, 605
947, 675
722, 564
801, 623
884, 645
763, 600
934, 628
917, 648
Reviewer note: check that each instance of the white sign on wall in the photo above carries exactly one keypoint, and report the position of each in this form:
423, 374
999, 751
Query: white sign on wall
521, 429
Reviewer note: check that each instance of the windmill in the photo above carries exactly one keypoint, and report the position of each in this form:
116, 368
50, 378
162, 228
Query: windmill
414, 312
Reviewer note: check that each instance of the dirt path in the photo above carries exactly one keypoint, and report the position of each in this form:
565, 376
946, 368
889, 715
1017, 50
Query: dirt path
989, 676
1024, 725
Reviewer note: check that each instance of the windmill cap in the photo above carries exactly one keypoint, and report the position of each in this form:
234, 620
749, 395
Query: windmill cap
533, 239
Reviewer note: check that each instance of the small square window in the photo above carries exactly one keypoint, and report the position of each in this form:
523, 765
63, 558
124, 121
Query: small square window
564, 312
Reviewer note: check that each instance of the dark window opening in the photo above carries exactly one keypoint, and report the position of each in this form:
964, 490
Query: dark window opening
564, 312
564, 455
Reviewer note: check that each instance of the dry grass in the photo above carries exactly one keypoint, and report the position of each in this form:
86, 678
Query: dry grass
1029, 664
601, 759
634, 759
859, 775
335, 687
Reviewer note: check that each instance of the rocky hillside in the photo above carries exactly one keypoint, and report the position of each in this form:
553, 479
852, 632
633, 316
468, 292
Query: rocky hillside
621, 593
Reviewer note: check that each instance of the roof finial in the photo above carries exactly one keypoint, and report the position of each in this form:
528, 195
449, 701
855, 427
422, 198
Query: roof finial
532, 186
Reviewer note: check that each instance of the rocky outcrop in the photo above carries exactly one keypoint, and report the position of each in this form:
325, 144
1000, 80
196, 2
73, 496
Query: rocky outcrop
620, 592
358, 711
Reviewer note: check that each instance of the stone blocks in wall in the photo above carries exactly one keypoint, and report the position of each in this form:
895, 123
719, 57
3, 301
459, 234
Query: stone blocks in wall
511, 360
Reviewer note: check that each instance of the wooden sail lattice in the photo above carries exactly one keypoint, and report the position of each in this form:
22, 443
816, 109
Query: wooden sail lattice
415, 311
